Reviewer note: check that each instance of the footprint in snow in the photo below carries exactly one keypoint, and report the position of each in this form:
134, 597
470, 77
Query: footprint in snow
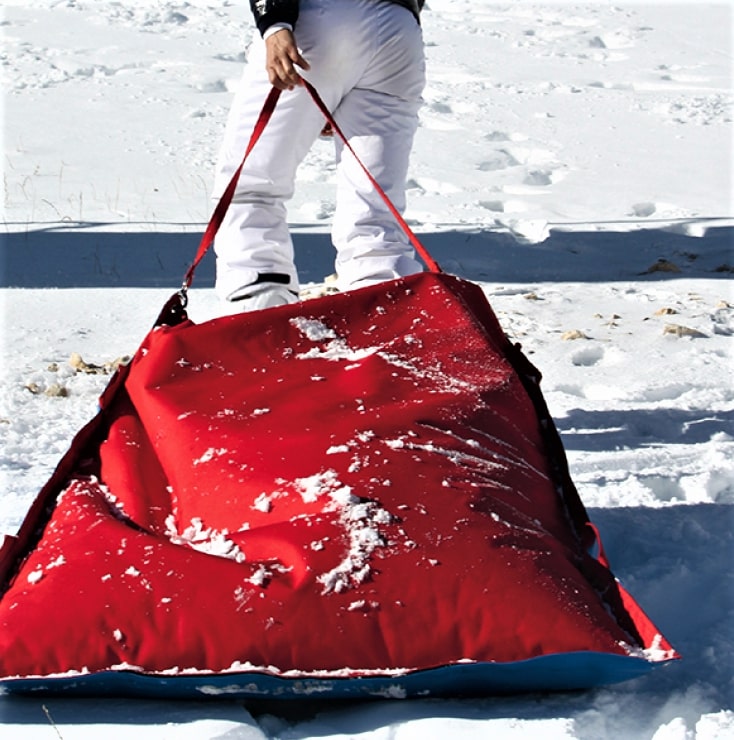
498, 160
588, 356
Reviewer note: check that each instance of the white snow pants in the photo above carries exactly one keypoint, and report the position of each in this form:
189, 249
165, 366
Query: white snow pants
367, 63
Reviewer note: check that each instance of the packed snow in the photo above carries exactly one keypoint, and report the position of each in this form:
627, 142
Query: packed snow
573, 159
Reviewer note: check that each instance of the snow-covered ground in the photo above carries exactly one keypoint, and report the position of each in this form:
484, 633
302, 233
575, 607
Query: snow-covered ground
574, 159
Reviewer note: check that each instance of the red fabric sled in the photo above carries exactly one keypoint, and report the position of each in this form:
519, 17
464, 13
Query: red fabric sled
363, 485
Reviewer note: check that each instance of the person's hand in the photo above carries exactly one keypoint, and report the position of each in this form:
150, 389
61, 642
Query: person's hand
282, 57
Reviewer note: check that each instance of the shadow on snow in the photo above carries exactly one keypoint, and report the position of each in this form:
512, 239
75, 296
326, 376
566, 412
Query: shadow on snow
69, 257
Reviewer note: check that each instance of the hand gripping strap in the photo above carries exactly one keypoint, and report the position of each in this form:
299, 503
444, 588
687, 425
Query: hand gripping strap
221, 208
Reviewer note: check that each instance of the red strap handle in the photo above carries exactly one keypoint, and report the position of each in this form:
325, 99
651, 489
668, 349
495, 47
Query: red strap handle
431, 264
221, 208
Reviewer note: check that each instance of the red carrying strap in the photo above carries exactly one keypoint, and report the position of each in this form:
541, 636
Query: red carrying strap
221, 208
431, 264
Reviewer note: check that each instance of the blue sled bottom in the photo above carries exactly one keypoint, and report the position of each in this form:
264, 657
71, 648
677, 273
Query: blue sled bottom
566, 672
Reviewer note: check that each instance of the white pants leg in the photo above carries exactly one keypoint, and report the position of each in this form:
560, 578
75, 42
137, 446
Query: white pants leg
254, 237
367, 63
